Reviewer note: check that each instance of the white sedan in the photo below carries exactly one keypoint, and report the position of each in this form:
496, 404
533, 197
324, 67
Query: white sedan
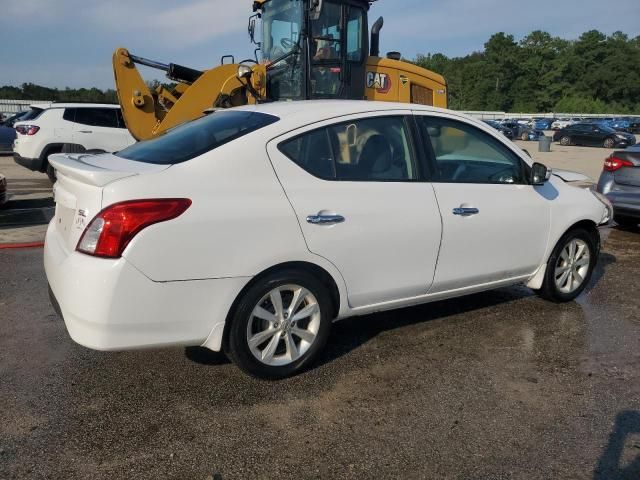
252, 229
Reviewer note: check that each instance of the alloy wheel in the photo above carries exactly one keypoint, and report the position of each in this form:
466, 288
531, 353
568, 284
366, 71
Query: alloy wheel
283, 325
572, 266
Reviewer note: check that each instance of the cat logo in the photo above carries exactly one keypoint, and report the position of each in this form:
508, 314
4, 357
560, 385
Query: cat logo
380, 81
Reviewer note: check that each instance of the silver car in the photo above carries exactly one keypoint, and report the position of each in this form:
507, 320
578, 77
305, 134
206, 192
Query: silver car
620, 181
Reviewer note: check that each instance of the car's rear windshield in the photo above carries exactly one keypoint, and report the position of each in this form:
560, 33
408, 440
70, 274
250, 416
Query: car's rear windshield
192, 139
31, 114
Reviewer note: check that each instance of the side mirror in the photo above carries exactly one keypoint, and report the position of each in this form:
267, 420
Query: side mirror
540, 174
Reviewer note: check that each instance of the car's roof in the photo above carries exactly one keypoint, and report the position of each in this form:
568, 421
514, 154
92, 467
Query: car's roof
77, 105
331, 108
310, 111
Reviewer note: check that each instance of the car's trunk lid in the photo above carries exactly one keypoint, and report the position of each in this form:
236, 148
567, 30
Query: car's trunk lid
78, 190
628, 175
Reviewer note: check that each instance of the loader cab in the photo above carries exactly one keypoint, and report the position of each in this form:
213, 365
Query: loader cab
314, 49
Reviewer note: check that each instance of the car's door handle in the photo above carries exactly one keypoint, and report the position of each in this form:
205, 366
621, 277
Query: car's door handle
85, 131
325, 219
466, 211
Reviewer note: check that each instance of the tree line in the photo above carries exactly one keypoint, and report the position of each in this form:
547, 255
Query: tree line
540, 73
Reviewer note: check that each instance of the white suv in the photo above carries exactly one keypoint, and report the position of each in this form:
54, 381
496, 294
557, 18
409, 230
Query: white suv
69, 127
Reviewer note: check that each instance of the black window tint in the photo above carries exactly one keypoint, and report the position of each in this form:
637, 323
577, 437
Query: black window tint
465, 154
120, 118
97, 117
31, 114
192, 139
69, 114
313, 152
375, 149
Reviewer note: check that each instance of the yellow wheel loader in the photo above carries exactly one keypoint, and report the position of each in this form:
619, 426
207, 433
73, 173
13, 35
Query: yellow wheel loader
307, 49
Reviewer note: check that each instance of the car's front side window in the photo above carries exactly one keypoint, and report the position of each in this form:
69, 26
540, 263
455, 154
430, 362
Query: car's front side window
373, 149
462, 153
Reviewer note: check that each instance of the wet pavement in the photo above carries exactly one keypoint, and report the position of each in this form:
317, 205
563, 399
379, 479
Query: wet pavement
499, 385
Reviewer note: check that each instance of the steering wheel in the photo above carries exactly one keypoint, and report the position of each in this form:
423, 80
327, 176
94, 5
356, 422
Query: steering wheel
504, 175
288, 43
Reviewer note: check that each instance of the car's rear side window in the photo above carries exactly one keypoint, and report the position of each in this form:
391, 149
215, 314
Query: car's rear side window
192, 139
367, 150
97, 117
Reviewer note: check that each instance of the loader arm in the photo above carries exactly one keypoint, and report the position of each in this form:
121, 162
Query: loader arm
148, 113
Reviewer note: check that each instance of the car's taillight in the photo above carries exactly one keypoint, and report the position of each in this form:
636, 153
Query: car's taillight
27, 129
112, 229
612, 164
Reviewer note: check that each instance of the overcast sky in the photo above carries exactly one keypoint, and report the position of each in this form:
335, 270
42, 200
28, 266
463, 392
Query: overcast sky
61, 43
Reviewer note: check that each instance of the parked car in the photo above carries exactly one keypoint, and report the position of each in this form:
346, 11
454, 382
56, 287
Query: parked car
7, 137
3, 191
592, 134
542, 123
252, 229
77, 127
507, 132
521, 131
634, 124
620, 182
619, 125
564, 123
10, 120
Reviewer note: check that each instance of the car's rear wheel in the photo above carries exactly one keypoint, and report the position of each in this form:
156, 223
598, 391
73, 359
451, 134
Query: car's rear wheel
280, 325
570, 266
565, 141
51, 173
626, 222
609, 143
524, 136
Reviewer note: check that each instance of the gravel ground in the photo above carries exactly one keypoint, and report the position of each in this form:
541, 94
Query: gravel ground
500, 385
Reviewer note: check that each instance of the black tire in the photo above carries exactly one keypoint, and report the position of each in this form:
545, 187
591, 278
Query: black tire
626, 222
609, 143
524, 137
565, 141
549, 289
237, 345
51, 173
73, 148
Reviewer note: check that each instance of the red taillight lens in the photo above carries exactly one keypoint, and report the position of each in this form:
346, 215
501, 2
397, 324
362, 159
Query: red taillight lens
612, 164
112, 229
27, 129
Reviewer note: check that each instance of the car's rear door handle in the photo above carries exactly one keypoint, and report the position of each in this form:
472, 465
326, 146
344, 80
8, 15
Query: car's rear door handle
325, 219
85, 131
466, 211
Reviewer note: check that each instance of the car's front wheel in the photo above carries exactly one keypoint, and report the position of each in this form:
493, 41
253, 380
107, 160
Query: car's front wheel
609, 143
565, 141
280, 325
570, 266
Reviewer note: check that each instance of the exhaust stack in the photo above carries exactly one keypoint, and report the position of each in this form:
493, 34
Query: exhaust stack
375, 37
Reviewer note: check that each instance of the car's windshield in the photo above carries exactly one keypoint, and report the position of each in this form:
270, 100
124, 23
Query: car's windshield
192, 139
281, 27
282, 24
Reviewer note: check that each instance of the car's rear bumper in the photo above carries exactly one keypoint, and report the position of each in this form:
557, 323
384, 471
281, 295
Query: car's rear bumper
34, 164
110, 305
624, 198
